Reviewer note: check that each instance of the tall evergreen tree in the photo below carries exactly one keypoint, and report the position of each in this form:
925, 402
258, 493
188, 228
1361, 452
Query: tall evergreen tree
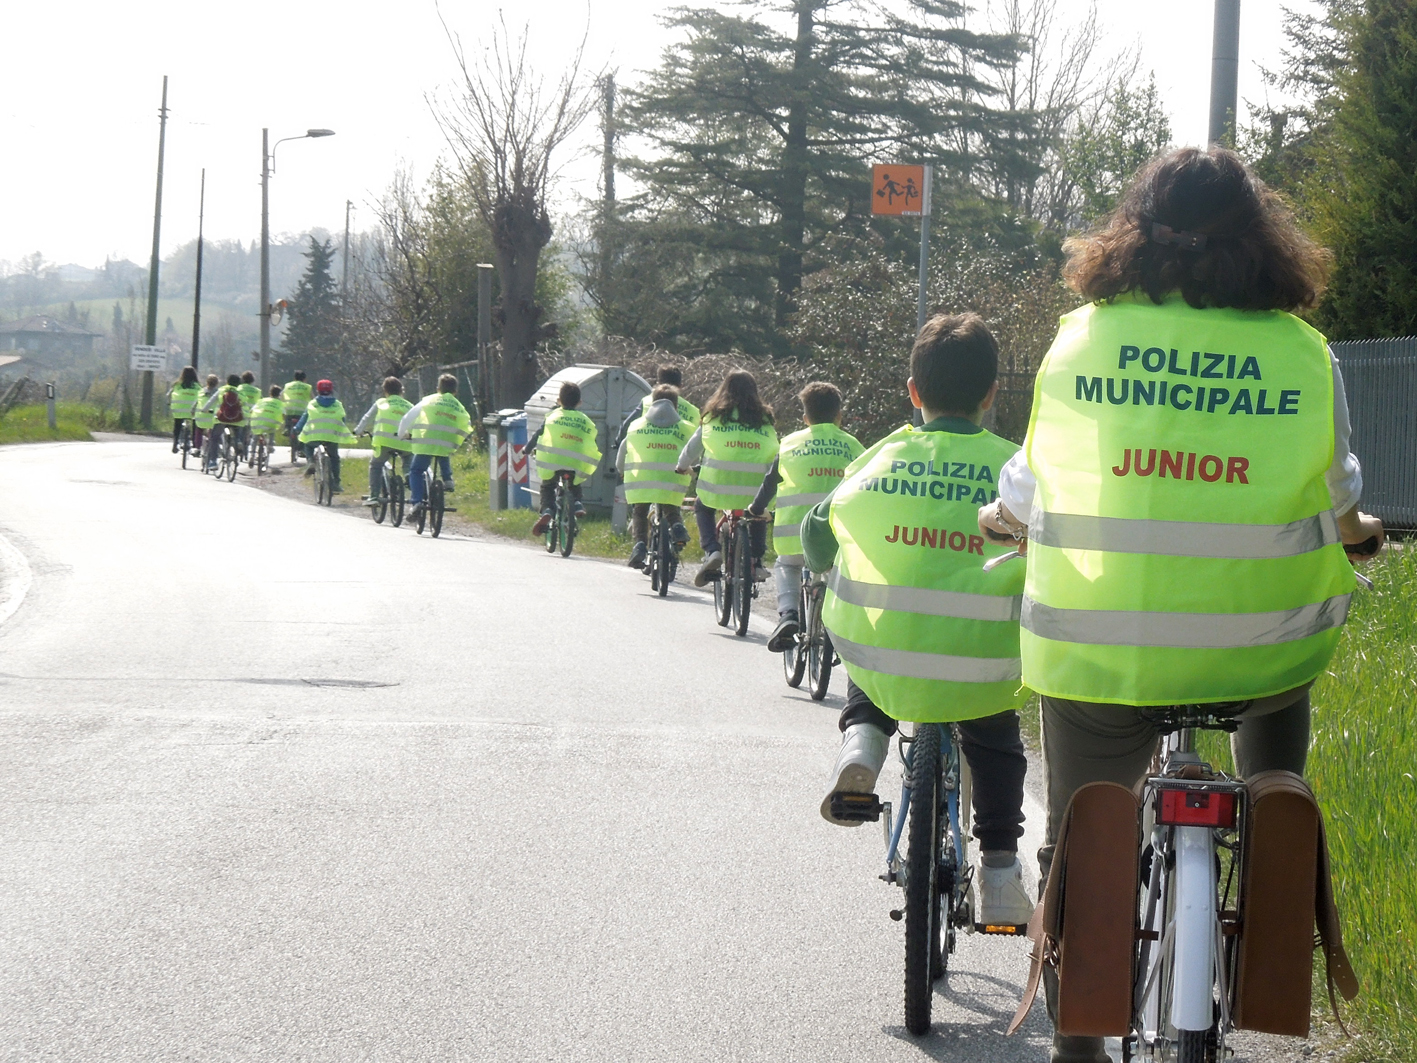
1364, 195
313, 333
763, 125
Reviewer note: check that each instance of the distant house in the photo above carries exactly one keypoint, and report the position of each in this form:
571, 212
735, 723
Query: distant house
46, 341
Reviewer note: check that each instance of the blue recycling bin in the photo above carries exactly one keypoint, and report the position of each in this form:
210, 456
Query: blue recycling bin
518, 470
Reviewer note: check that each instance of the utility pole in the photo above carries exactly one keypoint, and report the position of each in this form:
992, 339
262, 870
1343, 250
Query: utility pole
344, 269
1224, 73
197, 307
607, 166
146, 412
486, 372
265, 309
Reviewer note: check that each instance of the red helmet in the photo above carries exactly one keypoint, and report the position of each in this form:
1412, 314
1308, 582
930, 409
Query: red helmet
325, 387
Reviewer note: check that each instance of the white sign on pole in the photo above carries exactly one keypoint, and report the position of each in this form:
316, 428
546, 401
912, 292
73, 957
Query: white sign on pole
146, 359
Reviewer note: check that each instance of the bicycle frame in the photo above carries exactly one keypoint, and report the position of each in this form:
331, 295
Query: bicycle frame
950, 787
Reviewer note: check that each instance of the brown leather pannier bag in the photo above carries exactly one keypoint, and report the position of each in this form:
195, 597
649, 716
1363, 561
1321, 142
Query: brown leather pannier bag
1285, 891
1085, 926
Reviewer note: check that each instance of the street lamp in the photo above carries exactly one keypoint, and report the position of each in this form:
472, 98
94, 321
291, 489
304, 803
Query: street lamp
268, 167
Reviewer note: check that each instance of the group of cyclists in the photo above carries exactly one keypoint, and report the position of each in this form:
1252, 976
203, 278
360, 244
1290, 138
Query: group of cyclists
1182, 501
311, 416
1185, 502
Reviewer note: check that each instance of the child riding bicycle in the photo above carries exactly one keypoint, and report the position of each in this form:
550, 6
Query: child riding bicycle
565, 442
182, 401
735, 443
266, 416
809, 464
230, 416
436, 426
296, 395
322, 425
646, 458
925, 633
202, 418
381, 422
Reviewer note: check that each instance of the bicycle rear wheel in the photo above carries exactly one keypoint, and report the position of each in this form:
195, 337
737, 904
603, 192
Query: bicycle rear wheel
819, 649
794, 658
436, 502
663, 559
233, 458
723, 586
393, 491
263, 456
185, 441
922, 892
567, 519
742, 578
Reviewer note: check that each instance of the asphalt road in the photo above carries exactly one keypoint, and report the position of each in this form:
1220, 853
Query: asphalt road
278, 784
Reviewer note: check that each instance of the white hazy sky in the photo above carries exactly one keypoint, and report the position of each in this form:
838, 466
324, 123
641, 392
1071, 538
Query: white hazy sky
80, 85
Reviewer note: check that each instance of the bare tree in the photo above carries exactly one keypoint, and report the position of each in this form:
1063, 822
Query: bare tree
504, 125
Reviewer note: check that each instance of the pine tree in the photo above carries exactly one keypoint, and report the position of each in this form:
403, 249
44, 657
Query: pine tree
764, 137
1364, 195
313, 333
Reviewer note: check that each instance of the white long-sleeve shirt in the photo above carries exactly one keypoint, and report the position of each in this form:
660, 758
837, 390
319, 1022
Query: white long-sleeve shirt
1018, 485
406, 421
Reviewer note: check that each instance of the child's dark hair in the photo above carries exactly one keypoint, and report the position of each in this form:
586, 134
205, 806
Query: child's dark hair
393, 385
212, 380
248, 377
739, 391
189, 376
299, 374
665, 391
275, 391
670, 374
821, 402
448, 384
570, 396
233, 380
954, 363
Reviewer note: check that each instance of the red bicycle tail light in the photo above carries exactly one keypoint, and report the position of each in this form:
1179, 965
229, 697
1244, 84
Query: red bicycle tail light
1196, 808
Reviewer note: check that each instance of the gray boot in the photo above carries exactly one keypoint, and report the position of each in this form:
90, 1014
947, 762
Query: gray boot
863, 754
1078, 1050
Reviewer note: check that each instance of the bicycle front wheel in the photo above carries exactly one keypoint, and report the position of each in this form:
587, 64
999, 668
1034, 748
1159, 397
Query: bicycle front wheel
922, 890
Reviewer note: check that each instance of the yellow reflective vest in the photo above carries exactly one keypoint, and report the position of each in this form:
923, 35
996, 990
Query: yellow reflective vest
736, 458
182, 401
921, 627
810, 464
567, 441
204, 418
267, 416
1183, 546
325, 424
442, 423
296, 395
389, 412
651, 455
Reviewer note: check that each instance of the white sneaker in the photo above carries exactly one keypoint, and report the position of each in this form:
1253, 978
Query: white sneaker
711, 565
1003, 901
863, 753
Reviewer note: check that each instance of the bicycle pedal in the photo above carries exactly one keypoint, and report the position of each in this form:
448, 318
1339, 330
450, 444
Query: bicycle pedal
450, 509
1006, 929
855, 807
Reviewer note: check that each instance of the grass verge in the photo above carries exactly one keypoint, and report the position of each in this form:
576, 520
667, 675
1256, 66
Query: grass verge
1363, 767
30, 424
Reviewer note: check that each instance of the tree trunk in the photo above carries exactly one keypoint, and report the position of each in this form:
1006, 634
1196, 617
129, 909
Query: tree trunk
519, 231
794, 170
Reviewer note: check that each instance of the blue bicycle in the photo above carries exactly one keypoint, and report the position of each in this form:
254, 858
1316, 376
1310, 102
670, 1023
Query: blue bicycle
935, 871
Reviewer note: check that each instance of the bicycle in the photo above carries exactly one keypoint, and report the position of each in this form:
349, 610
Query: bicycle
810, 654
230, 458
390, 499
662, 560
733, 585
324, 476
184, 440
291, 420
259, 454
934, 871
430, 511
561, 532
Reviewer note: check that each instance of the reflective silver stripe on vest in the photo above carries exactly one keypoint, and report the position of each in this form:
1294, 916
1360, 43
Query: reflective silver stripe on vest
736, 466
1195, 631
1180, 538
570, 455
802, 500
652, 485
925, 600
438, 430
786, 530
653, 466
708, 487
941, 666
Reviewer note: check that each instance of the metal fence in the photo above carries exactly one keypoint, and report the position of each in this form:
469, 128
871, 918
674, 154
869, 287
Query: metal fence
1380, 377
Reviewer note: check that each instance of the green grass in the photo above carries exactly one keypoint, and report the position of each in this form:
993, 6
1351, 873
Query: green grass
30, 424
1363, 767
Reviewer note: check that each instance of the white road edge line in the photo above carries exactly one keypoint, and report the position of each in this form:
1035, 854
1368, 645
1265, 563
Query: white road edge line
14, 589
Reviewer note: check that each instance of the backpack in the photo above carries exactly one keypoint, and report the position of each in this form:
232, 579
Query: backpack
230, 412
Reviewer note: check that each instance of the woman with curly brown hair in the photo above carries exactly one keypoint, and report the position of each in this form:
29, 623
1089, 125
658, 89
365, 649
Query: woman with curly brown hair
1186, 486
735, 445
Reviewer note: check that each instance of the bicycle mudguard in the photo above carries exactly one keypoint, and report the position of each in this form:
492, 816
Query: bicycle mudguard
1091, 942
1285, 892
